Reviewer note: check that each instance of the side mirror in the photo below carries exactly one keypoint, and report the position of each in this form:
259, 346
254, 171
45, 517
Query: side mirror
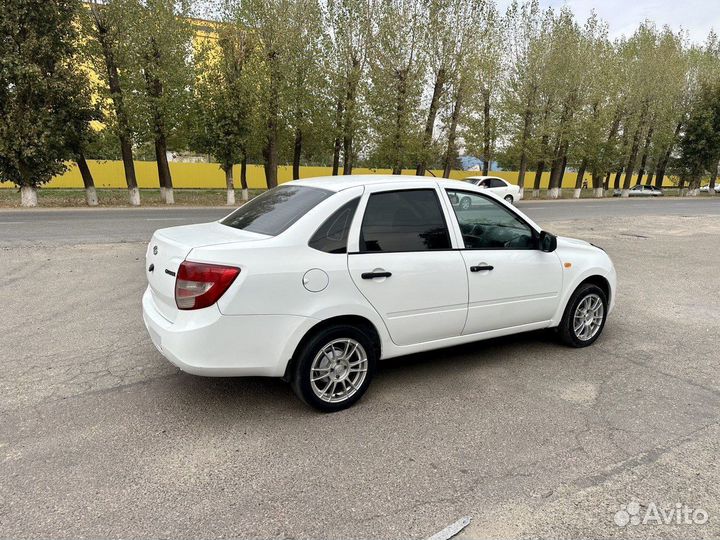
547, 242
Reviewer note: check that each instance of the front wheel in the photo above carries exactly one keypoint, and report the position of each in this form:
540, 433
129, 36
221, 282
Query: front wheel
334, 368
465, 203
584, 317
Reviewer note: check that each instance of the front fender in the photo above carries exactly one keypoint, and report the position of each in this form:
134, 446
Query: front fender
585, 262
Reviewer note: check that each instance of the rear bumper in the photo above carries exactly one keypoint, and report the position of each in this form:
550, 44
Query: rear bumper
206, 342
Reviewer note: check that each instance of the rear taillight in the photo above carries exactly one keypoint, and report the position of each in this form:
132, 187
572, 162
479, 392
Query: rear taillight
200, 285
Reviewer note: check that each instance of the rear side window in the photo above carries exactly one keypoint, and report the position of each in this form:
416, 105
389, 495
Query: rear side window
276, 209
410, 220
495, 182
332, 235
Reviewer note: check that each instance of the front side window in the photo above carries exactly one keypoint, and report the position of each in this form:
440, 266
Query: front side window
332, 235
409, 220
276, 209
486, 224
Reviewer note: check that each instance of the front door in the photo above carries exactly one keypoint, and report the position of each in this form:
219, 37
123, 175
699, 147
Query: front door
511, 282
406, 268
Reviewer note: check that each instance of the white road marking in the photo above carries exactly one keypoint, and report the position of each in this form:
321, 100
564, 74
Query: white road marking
166, 219
13, 222
451, 530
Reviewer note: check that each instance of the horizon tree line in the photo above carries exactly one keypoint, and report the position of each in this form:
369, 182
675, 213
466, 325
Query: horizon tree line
398, 84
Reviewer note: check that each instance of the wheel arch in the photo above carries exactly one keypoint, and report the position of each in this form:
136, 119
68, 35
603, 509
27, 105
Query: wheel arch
600, 281
351, 320
594, 276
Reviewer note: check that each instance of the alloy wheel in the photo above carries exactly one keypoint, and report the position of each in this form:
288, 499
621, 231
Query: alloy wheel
338, 370
588, 317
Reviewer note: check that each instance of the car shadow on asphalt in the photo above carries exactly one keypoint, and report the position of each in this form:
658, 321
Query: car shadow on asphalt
487, 351
271, 396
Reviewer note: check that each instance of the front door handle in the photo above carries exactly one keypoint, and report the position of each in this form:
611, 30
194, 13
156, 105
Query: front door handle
481, 267
372, 275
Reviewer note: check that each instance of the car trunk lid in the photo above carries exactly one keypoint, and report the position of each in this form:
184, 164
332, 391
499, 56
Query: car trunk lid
169, 247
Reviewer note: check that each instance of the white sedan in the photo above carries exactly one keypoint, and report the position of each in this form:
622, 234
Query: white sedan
706, 189
641, 191
498, 186
316, 280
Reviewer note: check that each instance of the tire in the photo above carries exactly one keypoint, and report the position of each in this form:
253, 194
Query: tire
572, 330
325, 379
465, 203
509, 199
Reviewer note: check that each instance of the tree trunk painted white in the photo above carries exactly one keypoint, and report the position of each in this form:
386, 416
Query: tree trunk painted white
134, 196
554, 193
536, 193
521, 194
625, 193
28, 196
711, 192
245, 196
230, 185
683, 192
91, 196
598, 193
576, 193
693, 192
163, 196
169, 197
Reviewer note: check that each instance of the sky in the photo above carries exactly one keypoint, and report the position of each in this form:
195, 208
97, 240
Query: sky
696, 17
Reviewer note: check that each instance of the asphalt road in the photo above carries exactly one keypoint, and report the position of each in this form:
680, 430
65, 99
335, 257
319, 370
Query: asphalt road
101, 437
78, 226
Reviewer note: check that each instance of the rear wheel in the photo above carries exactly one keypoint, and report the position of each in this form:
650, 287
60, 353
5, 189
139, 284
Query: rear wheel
334, 368
509, 198
584, 317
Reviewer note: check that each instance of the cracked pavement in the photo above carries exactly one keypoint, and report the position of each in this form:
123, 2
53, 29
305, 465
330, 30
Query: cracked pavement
101, 437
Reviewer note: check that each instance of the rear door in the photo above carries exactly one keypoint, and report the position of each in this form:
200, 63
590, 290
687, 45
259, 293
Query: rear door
499, 187
401, 259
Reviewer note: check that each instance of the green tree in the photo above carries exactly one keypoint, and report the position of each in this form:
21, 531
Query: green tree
105, 25
160, 46
269, 23
397, 70
223, 103
700, 142
348, 36
520, 95
483, 67
43, 97
442, 48
307, 88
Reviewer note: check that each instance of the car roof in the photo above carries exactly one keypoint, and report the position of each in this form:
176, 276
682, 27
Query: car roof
341, 182
481, 177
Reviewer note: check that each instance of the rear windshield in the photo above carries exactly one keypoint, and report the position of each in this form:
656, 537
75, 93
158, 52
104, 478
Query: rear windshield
276, 209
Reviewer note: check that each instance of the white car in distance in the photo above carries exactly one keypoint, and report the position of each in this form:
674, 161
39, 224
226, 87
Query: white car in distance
498, 186
316, 280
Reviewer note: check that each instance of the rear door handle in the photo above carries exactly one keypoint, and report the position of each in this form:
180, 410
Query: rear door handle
372, 275
481, 267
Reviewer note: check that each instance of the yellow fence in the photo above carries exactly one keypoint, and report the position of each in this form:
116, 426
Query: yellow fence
110, 174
